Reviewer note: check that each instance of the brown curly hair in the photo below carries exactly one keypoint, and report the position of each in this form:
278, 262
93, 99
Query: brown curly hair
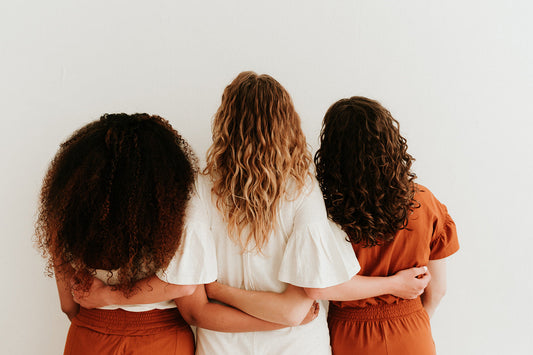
114, 198
258, 146
364, 171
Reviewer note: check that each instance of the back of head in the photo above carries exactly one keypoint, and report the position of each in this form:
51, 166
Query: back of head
364, 170
258, 145
114, 197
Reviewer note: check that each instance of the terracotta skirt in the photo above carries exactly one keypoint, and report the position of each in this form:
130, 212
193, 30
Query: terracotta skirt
102, 332
392, 329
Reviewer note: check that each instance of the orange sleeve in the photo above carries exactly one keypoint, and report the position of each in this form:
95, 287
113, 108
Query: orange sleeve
444, 242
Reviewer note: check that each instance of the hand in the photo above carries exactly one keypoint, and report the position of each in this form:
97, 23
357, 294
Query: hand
312, 314
99, 295
410, 283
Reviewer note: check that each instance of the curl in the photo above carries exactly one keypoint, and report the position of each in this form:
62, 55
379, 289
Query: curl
364, 171
258, 146
114, 198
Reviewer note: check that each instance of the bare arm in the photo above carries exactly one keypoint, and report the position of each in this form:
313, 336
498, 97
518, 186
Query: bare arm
68, 305
150, 290
197, 310
437, 287
409, 283
194, 307
289, 307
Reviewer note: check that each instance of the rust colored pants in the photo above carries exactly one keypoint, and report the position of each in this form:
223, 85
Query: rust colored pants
393, 329
103, 332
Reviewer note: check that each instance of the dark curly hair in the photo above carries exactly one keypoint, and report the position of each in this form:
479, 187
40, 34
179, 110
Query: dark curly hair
364, 171
114, 198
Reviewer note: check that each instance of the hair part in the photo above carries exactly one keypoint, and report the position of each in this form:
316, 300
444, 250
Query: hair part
114, 197
258, 145
364, 171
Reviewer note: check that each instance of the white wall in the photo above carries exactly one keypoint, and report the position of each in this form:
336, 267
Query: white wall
457, 74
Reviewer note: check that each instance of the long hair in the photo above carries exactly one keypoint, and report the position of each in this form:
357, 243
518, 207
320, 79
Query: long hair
364, 171
258, 145
114, 197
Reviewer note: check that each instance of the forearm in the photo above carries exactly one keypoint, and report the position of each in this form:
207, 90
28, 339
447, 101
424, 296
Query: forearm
288, 308
359, 287
149, 290
226, 319
408, 284
431, 300
436, 288
198, 311
68, 305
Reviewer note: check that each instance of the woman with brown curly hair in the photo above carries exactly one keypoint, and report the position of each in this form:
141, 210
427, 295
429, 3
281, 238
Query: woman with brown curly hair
365, 175
113, 206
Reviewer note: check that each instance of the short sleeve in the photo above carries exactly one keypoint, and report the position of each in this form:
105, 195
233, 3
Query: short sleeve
444, 242
195, 261
317, 253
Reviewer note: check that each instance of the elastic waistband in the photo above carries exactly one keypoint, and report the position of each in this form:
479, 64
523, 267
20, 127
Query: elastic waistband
121, 322
378, 312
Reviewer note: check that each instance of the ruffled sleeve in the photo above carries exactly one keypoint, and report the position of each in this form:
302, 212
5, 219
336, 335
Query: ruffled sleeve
444, 242
317, 254
195, 261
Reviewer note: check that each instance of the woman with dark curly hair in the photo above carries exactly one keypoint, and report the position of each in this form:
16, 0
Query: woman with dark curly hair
113, 206
364, 171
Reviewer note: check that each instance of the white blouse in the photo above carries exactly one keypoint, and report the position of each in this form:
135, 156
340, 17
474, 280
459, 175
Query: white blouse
194, 262
303, 250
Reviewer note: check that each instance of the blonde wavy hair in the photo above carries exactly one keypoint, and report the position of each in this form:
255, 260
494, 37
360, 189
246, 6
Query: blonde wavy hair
258, 147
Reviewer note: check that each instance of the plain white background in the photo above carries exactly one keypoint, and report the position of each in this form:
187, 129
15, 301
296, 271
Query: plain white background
456, 74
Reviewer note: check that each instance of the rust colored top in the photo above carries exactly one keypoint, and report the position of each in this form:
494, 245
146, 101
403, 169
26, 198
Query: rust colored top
430, 235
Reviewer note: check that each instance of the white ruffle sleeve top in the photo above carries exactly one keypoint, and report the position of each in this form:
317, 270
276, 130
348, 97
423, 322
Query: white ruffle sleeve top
303, 250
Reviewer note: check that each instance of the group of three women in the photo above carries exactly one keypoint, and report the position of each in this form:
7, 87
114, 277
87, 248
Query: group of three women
133, 232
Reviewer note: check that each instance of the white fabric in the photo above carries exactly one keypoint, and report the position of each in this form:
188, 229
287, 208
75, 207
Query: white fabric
194, 262
303, 250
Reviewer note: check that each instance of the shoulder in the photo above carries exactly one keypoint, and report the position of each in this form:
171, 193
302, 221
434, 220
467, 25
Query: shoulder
444, 241
428, 203
202, 187
200, 198
296, 191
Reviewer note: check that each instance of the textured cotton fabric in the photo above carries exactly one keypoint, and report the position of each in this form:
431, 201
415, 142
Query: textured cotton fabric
113, 332
387, 329
302, 250
430, 235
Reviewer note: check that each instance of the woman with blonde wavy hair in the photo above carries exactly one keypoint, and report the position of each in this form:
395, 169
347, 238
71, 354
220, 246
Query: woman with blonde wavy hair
269, 221
272, 237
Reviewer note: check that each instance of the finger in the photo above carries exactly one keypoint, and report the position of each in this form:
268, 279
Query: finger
425, 278
419, 271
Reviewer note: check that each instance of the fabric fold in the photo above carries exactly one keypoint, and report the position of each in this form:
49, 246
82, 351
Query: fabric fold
317, 255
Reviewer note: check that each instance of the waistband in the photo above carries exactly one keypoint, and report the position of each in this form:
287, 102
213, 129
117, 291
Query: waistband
377, 312
121, 322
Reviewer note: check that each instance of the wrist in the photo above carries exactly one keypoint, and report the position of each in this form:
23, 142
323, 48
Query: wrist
211, 290
219, 292
392, 285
